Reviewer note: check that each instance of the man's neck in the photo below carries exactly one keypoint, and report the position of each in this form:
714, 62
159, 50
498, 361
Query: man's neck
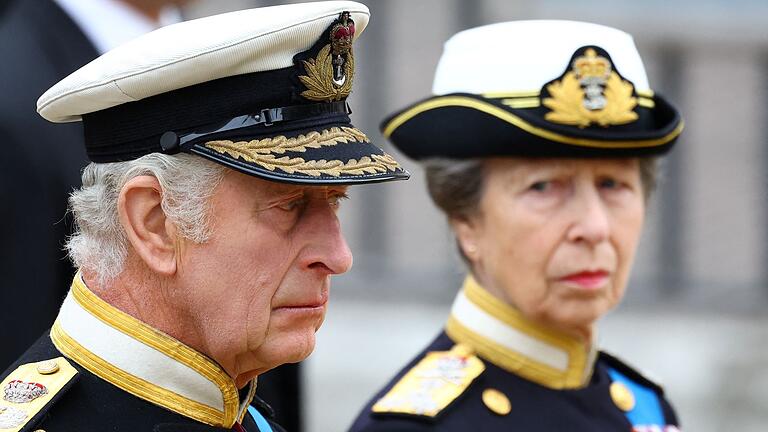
143, 295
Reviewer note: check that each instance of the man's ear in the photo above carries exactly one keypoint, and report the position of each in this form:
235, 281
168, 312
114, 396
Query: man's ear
467, 236
146, 227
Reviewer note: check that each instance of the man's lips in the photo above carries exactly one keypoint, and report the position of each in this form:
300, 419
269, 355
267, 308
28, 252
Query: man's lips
588, 279
313, 302
307, 305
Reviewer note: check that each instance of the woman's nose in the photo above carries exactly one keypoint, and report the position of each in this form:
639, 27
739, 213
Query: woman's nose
591, 221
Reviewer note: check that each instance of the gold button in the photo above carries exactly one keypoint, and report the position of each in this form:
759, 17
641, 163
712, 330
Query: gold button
622, 396
47, 367
496, 401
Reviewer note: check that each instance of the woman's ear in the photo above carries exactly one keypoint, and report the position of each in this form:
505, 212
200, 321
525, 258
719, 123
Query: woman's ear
146, 227
466, 233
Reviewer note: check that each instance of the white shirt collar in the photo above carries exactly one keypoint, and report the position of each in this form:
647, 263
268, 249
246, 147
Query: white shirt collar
502, 335
145, 362
109, 23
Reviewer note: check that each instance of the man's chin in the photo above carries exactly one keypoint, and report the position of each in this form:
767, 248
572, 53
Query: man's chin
291, 346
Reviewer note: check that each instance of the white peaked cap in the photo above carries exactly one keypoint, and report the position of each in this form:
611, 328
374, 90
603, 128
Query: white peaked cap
194, 52
522, 56
262, 91
541, 88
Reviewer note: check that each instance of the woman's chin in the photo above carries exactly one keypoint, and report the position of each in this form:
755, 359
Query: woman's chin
575, 322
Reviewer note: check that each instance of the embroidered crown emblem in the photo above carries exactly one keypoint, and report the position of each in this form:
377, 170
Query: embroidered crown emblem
329, 75
591, 92
18, 391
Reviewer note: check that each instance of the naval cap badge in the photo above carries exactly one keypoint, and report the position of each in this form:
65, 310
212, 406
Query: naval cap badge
341, 44
329, 74
590, 92
18, 391
342, 33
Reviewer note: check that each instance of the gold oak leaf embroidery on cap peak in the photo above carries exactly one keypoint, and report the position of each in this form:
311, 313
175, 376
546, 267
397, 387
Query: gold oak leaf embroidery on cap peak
263, 153
282, 144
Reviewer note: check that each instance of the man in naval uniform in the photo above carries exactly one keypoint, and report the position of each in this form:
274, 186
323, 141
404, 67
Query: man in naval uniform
206, 223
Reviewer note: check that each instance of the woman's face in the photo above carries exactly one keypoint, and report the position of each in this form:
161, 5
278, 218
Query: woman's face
556, 238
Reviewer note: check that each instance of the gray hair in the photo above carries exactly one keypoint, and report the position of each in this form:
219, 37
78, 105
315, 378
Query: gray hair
99, 244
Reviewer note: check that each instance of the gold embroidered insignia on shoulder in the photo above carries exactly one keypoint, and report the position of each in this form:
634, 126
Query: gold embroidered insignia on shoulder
430, 386
29, 389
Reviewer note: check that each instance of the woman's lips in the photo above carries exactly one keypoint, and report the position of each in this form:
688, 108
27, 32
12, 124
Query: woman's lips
587, 279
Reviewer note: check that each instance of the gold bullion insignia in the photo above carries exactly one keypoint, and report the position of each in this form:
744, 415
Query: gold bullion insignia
592, 92
430, 386
329, 75
29, 388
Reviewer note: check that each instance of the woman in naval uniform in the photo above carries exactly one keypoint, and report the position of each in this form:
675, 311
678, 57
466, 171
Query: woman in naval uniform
540, 145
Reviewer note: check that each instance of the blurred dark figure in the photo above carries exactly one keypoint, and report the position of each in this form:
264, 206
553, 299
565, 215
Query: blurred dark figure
43, 41
41, 45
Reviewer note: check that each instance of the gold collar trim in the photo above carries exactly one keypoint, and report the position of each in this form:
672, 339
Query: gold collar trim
81, 343
500, 334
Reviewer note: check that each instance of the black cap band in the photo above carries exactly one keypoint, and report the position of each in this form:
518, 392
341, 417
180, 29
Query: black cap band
133, 129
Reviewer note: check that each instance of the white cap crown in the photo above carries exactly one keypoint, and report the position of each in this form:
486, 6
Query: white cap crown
522, 56
194, 52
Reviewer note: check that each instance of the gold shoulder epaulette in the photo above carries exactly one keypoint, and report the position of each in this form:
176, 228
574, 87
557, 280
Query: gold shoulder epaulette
29, 389
430, 386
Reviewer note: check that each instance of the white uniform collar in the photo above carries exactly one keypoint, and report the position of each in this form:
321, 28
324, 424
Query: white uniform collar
144, 361
109, 23
500, 334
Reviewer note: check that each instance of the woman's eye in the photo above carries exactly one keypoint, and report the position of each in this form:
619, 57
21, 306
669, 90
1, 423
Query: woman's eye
540, 186
609, 183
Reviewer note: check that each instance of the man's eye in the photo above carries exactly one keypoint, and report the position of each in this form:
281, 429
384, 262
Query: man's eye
292, 205
335, 200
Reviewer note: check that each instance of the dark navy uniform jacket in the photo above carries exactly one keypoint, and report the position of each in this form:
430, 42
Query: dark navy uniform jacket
532, 406
99, 369
493, 370
88, 403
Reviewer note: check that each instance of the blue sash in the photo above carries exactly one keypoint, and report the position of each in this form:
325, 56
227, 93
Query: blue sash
261, 422
647, 410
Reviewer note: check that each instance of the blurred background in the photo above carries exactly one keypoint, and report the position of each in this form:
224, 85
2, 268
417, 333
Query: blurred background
695, 315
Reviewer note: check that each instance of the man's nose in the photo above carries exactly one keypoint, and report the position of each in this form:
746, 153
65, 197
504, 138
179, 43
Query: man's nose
328, 251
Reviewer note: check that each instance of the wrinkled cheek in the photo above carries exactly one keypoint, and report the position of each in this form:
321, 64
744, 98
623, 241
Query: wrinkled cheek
257, 327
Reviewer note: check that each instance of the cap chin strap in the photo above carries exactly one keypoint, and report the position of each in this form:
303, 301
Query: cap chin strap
172, 142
